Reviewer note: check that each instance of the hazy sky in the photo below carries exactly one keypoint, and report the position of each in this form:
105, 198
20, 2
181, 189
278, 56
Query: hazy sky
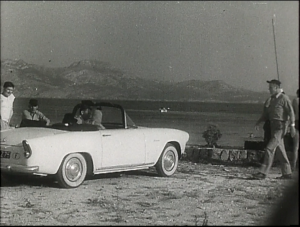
172, 40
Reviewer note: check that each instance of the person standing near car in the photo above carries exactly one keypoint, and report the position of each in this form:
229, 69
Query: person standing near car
295, 104
280, 112
7, 101
32, 113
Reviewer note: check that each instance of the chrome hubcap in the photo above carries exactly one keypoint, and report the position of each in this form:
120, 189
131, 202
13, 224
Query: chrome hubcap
169, 161
73, 169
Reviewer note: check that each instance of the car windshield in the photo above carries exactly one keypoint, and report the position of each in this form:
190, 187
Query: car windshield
130, 123
113, 116
110, 116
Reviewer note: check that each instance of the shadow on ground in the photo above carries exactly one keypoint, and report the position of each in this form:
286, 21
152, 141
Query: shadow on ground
50, 181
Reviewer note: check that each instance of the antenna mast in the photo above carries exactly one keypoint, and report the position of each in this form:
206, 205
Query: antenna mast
273, 23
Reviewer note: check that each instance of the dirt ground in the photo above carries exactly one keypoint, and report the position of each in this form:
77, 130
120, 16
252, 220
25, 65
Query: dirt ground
197, 194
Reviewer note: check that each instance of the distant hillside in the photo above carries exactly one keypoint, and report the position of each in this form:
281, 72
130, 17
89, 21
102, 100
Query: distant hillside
91, 79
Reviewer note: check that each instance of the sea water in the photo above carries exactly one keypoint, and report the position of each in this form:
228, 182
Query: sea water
235, 120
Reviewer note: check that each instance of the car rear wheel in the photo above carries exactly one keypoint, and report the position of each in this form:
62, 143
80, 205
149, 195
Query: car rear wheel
167, 162
72, 171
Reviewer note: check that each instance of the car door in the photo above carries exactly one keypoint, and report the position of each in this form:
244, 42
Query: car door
122, 148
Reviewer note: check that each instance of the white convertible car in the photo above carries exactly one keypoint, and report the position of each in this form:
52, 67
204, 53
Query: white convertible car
70, 151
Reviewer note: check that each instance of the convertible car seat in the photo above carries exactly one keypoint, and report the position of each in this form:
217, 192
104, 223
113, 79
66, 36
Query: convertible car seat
32, 123
75, 127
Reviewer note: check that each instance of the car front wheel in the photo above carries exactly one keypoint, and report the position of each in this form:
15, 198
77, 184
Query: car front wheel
167, 162
72, 171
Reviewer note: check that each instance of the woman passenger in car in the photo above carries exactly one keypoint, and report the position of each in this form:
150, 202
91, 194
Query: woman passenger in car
97, 117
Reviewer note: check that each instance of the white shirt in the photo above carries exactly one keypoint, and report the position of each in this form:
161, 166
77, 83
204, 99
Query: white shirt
7, 107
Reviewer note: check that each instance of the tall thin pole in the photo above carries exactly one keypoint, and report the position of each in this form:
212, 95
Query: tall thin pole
275, 47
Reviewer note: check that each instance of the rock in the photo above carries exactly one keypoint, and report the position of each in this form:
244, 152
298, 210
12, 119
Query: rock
243, 154
224, 155
234, 155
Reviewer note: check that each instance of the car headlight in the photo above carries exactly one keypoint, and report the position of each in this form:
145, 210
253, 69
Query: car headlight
27, 149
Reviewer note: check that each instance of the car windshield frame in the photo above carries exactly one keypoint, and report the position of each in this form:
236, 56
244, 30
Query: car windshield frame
126, 120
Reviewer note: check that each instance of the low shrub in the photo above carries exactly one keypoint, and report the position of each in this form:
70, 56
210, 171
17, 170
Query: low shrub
211, 135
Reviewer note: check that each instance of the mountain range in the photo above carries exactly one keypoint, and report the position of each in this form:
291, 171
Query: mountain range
92, 79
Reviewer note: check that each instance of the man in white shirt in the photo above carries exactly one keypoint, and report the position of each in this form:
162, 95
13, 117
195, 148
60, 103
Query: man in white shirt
7, 101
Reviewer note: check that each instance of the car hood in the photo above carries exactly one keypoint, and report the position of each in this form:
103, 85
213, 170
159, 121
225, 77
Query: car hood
15, 136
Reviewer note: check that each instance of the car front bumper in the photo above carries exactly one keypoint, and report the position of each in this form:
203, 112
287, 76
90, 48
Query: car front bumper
19, 168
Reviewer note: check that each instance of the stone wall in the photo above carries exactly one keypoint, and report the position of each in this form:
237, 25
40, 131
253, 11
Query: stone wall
228, 155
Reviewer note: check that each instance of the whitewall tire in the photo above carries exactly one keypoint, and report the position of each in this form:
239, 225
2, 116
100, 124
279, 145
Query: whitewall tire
72, 171
167, 162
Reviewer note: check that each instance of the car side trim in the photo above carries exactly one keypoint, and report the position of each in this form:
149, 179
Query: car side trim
123, 168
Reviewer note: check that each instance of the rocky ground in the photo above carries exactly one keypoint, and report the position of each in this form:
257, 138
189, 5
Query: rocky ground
197, 194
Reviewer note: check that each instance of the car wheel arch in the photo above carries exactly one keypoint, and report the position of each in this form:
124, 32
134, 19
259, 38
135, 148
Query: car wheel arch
86, 155
177, 146
89, 162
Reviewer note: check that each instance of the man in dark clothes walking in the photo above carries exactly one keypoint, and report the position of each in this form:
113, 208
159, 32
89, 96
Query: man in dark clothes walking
280, 113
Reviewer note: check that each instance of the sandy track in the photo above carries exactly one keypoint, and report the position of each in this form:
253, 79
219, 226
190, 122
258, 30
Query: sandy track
197, 194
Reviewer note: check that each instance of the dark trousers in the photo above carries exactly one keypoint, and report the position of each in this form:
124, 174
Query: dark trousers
278, 130
267, 132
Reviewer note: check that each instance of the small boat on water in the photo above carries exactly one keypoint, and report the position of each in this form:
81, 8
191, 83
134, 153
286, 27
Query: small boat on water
164, 109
